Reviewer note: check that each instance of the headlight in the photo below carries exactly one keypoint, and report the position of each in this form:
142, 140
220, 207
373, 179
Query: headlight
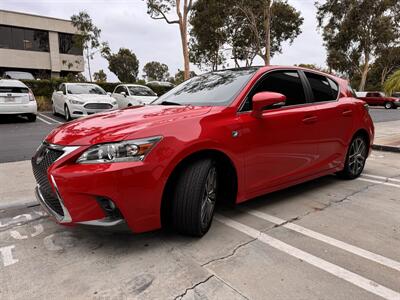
135, 150
114, 102
76, 102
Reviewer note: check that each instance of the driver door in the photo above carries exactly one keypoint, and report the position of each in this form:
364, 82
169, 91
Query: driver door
281, 147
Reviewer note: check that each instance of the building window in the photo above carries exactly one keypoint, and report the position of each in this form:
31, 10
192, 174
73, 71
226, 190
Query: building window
69, 44
24, 39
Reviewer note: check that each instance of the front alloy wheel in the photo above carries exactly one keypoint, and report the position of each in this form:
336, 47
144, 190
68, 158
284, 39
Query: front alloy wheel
210, 197
194, 198
388, 105
67, 114
356, 158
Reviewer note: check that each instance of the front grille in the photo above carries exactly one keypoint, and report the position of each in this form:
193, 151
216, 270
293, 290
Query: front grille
42, 160
98, 106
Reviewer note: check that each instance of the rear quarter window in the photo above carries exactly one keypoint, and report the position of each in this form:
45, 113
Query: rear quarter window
323, 88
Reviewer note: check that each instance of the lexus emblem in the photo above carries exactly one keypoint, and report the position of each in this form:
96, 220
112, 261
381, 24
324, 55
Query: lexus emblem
41, 155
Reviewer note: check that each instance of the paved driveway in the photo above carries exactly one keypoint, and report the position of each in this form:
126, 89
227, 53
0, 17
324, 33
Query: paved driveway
326, 239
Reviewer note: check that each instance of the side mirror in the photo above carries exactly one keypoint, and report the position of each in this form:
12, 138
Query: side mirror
123, 94
265, 100
60, 92
109, 94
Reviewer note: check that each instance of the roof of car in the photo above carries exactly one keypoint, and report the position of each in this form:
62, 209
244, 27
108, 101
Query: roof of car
130, 84
11, 82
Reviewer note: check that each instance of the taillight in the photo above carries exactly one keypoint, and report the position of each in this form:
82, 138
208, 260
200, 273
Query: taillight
31, 96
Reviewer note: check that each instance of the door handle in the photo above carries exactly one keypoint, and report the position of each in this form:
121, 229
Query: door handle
347, 113
310, 120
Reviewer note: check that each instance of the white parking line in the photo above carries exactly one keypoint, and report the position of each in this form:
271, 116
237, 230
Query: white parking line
388, 179
379, 182
44, 121
362, 282
328, 240
51, 119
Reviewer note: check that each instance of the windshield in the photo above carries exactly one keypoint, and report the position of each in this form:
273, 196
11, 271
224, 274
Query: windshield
141, 91
211, 89
85, 89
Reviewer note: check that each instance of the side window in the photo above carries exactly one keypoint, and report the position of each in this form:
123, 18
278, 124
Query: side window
287, 83
323, 88
370, 95
61, 88
119, 90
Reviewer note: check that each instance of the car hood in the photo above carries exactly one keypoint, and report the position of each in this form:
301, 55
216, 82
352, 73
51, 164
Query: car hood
91, 98
117, 125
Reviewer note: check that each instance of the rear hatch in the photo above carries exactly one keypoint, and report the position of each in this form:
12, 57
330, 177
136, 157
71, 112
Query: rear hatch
13, 95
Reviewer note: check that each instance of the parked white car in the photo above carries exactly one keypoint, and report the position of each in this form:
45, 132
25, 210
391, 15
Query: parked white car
74, 100
17, 99
133, 95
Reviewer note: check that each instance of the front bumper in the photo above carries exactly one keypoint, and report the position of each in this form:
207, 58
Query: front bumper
18, 109
133, 187
87, 109
396, 103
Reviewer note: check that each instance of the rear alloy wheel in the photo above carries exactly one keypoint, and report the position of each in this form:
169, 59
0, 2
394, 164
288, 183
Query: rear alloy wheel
67, 114
194, 198
388, 105
356, 158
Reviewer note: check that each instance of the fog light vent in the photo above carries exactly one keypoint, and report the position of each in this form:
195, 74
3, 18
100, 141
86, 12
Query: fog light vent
109, 208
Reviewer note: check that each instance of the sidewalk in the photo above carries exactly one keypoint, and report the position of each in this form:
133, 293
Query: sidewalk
16, 184
387, 136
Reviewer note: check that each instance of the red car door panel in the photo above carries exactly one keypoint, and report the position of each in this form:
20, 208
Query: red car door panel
281, 147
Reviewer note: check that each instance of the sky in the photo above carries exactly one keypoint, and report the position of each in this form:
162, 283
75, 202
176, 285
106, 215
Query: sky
125, 23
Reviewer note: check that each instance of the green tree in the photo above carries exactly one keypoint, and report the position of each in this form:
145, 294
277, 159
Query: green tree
245, 28
180, 76
155, 71
124, 64
75, 77
392, 84
207, 42
88, 38
160, 10
355, 30
100, 76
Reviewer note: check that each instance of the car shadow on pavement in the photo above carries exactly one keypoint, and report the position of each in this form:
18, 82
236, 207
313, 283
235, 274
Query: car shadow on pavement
5, 119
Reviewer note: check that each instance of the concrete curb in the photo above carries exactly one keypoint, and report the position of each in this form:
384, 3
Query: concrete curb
386, 148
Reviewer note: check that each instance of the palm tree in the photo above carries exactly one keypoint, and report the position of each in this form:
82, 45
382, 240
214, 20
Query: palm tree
392, 84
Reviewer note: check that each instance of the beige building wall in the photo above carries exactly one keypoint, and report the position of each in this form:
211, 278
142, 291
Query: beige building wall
53, 60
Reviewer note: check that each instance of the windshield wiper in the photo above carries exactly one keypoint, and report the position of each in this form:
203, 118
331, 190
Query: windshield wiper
169, 103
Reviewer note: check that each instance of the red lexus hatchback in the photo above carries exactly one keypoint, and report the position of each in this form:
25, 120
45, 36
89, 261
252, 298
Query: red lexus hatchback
229, 135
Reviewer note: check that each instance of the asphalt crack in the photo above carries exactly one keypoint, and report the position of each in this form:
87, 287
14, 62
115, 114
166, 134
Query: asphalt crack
193, 287
230, 254
330, 204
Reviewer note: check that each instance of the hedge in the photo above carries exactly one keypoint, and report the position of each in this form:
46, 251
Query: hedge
46, 87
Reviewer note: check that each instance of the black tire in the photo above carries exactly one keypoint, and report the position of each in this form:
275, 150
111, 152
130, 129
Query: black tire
67, 114
54, 109
31, 117
193, 202
388, 105
355, 158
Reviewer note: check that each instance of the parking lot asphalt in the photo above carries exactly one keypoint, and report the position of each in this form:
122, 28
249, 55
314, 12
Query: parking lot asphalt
325, 239
19, 139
